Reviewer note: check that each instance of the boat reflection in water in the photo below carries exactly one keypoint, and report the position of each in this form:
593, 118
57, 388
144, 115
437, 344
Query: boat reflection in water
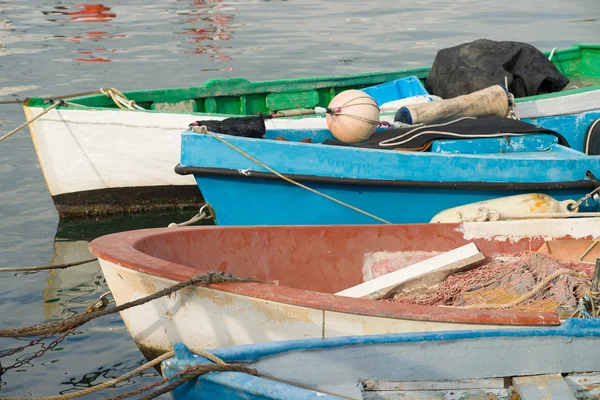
71, 290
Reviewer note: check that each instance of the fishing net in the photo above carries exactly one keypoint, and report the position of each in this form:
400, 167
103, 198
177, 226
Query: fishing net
506, 279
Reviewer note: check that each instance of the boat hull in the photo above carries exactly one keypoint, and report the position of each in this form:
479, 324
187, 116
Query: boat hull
206, 318
396, 186
140, 263
104, 161
401, 365
250, 200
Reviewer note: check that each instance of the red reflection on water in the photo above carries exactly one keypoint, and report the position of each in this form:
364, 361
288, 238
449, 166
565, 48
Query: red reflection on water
216, 28
97, 59
85, 13
94, 36
92, 56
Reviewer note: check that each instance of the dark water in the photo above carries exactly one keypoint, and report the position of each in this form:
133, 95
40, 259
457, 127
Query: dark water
50, 47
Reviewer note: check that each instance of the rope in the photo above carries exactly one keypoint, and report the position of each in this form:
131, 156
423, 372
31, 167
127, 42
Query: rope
120, 99
66, 96
51, 328
585, 253
218, 366
202, 129
537, 289
196, 218
104, 385
23, 125
47, 267
192, 373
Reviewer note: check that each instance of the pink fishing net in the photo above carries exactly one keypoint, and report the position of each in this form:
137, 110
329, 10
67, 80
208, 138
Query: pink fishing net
504, 279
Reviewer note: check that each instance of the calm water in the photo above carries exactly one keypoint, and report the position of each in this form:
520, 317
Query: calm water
50, 47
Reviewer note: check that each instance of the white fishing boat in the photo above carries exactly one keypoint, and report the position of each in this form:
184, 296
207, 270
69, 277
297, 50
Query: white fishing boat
115, 152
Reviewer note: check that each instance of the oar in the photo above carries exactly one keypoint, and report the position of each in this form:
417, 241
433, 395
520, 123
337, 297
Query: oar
303, 111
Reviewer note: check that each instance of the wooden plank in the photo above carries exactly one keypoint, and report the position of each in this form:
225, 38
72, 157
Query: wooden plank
543, 387
433, 279
474, 394
487, 383
381, 286
585, 386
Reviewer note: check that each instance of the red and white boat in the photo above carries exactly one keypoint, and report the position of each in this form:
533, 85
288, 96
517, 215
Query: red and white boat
311, 263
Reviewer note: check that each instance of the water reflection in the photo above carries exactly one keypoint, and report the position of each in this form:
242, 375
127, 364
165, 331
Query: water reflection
107, 373
215, 26
82, 13
69, 291
87, 13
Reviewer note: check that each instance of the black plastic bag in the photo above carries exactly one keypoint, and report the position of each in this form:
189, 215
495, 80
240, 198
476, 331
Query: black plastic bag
483, 63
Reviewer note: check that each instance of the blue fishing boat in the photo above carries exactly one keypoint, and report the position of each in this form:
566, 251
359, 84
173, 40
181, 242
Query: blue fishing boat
490, 364
248, 180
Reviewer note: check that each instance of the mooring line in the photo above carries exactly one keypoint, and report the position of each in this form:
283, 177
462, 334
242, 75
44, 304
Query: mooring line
48, 267
65, 96
23, 125
203, 129
52, 328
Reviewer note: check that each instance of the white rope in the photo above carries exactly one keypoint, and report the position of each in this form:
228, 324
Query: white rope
202, 214
552, 54
120, 99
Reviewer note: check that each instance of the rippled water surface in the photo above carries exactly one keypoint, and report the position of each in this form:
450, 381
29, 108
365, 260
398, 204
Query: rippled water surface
50, 47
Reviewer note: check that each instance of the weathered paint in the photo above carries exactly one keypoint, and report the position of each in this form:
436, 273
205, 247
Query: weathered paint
542, 387
340, 365
585, 386
310, 262
203, 317
543, 229
473, 394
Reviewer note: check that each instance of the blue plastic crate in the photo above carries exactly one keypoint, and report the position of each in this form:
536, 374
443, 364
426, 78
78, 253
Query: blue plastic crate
396, 90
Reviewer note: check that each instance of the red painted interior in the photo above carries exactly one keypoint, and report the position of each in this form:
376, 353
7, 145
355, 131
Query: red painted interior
310, 262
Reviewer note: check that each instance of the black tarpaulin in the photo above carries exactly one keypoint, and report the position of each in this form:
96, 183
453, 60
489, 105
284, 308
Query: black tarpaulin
483, 63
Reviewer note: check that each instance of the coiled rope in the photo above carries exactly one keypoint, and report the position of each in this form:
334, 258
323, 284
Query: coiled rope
120, 99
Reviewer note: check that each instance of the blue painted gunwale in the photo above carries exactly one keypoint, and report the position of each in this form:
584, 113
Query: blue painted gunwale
401, 187
559, 164
573, 327
239, 385
553, 164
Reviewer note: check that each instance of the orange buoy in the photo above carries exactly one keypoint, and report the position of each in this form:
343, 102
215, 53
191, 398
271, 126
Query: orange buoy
354, 116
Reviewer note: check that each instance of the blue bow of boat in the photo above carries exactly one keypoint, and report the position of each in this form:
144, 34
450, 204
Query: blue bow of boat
398, 186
